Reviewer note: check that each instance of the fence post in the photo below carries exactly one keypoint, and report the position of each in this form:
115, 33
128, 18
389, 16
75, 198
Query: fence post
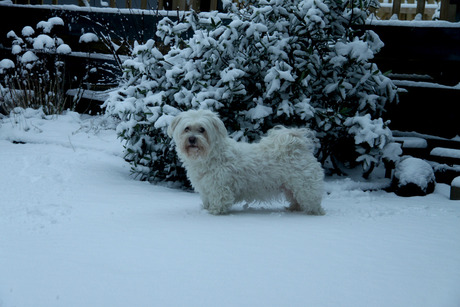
420, 8
213, 5
447, 11
178, 5
113, 3
396, 8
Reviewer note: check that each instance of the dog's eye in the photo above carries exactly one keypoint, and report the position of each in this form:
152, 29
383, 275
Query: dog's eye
201, 130
187, 129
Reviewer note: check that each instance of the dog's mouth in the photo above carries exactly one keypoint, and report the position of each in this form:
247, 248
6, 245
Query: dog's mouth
192, 146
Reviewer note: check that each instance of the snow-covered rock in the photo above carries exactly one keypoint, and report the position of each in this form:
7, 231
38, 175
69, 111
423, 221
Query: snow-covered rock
413, 177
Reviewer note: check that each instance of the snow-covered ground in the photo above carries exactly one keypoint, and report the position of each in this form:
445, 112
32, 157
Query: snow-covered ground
77, 230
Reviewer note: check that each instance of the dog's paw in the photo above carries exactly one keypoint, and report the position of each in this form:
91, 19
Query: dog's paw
294, 207
320, 211
217, 211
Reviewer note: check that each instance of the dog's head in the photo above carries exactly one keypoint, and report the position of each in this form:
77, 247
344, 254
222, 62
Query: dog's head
196, 132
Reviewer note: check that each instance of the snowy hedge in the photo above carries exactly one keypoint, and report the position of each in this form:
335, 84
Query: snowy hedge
294, 63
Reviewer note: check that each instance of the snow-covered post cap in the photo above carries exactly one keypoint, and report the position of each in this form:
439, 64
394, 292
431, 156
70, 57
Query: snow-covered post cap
455, 189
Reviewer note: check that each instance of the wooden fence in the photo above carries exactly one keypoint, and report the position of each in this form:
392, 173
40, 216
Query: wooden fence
423, 57
421, 10
182, 5
389, 9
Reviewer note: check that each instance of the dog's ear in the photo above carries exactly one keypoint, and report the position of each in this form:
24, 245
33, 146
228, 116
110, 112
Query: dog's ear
173, 125
218, 124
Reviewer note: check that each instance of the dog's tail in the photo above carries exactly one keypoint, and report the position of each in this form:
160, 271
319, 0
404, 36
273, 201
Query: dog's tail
292, 139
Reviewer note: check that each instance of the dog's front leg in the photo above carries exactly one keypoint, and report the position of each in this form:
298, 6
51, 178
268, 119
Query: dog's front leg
218, 202
205, 204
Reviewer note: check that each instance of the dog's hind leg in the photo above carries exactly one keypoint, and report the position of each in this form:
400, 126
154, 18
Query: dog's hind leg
294, 205
305, 195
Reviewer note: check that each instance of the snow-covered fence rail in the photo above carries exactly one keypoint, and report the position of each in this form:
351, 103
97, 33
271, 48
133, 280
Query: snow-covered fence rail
199, 5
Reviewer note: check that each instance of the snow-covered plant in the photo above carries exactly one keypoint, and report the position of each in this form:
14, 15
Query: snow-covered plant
35, 77
372, 139
268, 62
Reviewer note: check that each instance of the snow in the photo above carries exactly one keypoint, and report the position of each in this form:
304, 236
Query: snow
414, 170
27, 31
413, 23
446, 152
89, 94
64, 49
43, 41
28, 57
357, 49
409, 83
16, 49
456, 182
259, 111
412, 142
88, 38
6, 64
47, 26
77, 230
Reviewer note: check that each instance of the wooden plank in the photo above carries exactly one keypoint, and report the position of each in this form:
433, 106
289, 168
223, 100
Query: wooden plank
178, 5
444, 9
113, 3
396, 8
454, 193
213, 5
420, 8
448, 11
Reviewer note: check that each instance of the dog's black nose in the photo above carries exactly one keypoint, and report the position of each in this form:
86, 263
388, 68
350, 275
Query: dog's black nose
192, 140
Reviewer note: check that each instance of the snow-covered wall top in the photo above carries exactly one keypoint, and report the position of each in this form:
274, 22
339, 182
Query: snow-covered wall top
414, 23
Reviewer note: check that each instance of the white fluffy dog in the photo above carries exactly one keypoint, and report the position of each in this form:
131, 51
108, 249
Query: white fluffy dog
226, 172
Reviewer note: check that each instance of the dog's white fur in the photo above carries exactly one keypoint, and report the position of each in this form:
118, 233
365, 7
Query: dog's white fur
226, 172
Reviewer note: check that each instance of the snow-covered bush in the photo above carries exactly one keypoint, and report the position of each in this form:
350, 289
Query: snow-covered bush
35, 77
268, 62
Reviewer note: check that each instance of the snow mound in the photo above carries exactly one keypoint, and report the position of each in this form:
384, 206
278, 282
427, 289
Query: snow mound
456, 182
88, 38
413, 177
